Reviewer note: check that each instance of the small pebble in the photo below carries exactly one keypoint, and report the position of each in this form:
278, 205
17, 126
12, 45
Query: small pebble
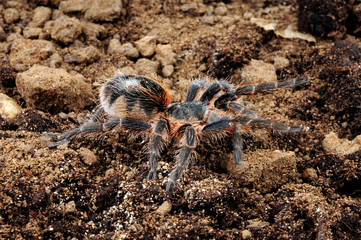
165, 208
220, 10
258, 71
310, 174
9, 109
11, 15
40, 16
280, 62
246, 234
88, 157
145, 66
66, 29
146, 46
168, 70
165, 54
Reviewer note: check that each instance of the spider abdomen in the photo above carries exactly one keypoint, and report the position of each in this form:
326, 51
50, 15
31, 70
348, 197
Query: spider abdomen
133, 96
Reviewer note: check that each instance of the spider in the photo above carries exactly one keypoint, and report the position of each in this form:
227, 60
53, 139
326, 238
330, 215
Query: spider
143, 106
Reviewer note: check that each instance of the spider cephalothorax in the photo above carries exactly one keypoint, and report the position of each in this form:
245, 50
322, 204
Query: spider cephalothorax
141, 105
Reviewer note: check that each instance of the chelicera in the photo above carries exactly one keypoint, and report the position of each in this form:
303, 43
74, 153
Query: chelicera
210, 111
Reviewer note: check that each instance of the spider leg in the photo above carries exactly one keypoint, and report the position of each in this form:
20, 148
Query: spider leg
189, 142
225, 103
264, 123
194, 89
99, 112
269, 87
156, 145
215, 88
237, 144
221, 126
126, 123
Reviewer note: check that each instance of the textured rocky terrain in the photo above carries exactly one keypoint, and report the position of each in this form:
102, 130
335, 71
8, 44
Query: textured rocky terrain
56, 54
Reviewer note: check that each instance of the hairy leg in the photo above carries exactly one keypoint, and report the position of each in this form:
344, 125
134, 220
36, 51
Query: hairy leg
156, 145
269, 87
99, 113
237, 144
215, 88
222, 101
264, 123
236, 108
194, 89
189, 142
126, 123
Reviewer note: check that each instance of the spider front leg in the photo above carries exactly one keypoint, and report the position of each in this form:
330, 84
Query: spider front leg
156, 145
194, 89
188, 144
264, 123
269, 87
215, 88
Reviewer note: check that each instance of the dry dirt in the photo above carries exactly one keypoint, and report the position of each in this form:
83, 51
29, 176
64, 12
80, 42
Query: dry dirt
56, 54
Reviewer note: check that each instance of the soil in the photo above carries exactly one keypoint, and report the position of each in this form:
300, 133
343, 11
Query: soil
289, 186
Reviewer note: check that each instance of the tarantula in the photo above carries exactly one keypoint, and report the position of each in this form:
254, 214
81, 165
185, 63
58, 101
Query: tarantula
209, 111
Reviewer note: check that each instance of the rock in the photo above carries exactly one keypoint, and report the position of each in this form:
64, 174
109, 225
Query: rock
280, 62
165, 54
220, 10
2, 34
70, 207
209, 20
55, 60
72, 6
127, 49
264, 170
257, 72
145, 66
257, 224
310, 174
100, 10
92, 30
9, 109
88, 157
168, 70
53, 90
246, 234
11, 15
228, 20
165, 208
66, 29
127, 71
114, 46
146, 46
48, 27
86, 55
32, 32
205, 192
334, 145
26, 52
40, 16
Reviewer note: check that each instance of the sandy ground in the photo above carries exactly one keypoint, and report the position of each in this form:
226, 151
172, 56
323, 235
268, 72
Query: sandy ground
55, 55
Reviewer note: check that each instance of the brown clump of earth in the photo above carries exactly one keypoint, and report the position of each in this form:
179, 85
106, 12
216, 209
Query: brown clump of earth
288, 187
